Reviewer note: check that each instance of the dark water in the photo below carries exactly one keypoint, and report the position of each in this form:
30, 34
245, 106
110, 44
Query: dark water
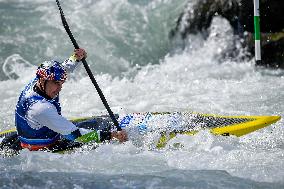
185, 179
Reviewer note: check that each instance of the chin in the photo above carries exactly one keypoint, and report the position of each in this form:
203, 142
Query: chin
54, 95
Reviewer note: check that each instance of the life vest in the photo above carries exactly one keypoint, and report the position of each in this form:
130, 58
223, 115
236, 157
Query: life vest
31, 138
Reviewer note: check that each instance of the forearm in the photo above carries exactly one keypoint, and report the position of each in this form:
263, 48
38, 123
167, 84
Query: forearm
71, 63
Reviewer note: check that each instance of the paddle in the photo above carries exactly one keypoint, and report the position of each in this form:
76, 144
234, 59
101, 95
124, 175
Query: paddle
76, 46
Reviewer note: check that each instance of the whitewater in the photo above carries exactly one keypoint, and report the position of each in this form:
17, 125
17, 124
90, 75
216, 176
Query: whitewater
139, 69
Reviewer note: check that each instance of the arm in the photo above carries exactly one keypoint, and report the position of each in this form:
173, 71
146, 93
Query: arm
73, 61
43, 113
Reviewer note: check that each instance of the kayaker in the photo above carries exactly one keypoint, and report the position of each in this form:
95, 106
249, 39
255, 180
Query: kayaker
38, 118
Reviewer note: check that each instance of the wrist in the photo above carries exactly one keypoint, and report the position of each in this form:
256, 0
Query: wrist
74, 58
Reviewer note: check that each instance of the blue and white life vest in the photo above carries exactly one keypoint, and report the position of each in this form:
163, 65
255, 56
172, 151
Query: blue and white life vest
27, 134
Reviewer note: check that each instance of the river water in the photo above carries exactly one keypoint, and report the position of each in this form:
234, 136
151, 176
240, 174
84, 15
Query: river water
140, 69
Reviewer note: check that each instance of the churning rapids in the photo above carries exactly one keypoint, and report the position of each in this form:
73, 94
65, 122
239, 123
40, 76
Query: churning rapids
139, 69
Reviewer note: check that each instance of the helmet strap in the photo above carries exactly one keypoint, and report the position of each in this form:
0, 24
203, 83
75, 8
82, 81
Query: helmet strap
42, 87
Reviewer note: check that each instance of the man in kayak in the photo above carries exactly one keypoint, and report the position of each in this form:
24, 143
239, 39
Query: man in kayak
38, 113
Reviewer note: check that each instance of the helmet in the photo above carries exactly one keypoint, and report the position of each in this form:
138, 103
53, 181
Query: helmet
51, 70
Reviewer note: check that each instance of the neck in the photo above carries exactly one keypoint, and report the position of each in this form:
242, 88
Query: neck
39, 89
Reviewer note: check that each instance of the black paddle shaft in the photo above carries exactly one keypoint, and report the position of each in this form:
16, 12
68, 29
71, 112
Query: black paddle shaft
76, 46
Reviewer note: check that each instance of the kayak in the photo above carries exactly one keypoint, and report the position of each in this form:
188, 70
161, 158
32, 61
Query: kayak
169, 124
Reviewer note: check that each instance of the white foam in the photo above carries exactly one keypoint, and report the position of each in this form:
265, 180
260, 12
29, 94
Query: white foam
229, 88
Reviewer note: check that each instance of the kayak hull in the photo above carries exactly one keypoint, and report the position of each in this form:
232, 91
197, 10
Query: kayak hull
171, 123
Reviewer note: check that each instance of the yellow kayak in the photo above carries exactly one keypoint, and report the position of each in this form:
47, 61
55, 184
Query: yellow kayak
192, 123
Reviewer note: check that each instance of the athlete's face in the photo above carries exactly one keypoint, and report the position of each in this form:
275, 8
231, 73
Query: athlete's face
52, 88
